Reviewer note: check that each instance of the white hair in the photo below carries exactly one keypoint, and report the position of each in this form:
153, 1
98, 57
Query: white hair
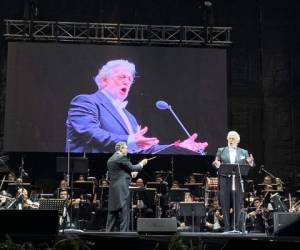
234, 134
107, 68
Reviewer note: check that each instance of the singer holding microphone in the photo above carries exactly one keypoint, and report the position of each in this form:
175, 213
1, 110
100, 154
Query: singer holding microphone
96, 122
120, 170
232, 154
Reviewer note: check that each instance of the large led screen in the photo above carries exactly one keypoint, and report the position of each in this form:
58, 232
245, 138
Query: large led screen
177, 93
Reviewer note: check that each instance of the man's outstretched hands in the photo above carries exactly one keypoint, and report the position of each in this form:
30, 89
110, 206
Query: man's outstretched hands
147, 142
142, 141
191, 144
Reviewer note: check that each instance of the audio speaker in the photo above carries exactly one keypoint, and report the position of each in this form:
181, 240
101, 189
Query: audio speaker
29, 222
157, 225
286, 224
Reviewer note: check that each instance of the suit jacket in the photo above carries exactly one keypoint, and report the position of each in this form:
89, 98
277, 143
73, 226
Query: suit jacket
95, 126
119, 168
241, 155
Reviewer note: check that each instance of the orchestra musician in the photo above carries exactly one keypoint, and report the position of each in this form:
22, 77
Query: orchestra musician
24, 201
294, 205
214, 220
257, 219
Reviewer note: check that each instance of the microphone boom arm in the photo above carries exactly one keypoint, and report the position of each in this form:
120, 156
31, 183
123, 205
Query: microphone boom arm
180, 123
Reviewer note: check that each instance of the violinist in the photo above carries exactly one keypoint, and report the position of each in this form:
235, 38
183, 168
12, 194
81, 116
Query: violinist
257, 218
24, 201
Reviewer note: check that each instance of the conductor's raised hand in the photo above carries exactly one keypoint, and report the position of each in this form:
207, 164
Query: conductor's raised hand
143, 162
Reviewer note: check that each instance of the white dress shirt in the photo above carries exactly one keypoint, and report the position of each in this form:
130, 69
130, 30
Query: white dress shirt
232, 155
120, 106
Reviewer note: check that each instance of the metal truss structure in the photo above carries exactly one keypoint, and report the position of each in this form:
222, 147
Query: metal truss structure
111, 33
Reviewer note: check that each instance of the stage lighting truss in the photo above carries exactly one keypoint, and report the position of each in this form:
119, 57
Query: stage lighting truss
117, 33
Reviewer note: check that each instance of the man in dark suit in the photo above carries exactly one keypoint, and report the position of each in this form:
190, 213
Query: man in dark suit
231, 154
120, 170
96, 122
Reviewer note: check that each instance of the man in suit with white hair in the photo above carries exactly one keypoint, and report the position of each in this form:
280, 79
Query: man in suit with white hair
231, 154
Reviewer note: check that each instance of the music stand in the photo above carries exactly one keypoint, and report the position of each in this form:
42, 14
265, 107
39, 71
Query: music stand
134, 190
72, 165
161, 189
177, 194
231, 170
278, 204
192, 209
160, 186
102, 193
83, 187
195, 188
53, 204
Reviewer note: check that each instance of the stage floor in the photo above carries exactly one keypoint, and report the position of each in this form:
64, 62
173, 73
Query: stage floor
130, 240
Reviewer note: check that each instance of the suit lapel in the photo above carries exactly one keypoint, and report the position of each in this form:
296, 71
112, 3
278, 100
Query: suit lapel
106, 103
226, 155
239, 156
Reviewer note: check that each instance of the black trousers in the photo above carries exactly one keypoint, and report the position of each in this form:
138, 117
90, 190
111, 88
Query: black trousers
230, 199
119, 218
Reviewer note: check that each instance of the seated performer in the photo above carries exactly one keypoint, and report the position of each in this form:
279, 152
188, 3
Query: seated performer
63, 185
214, 219
257, 219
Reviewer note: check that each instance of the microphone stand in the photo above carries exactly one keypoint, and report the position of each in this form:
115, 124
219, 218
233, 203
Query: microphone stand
182, 126
234, 193
180, 123
268, 173
20, 184
67, 176
279, 182
172, 168
243, 191
273, 176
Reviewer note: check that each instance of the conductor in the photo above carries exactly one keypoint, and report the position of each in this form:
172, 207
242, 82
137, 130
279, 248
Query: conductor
120, 170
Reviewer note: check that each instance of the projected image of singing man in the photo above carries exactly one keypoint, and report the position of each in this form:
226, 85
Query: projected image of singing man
96, 122
232, 154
